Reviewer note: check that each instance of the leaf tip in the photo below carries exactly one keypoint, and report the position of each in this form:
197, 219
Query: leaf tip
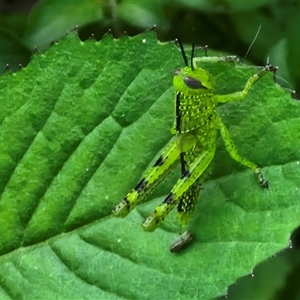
74, 29
36, 50
91, 37
153, 28
6, 68
294, 95
251, 274
53, 43
108, 33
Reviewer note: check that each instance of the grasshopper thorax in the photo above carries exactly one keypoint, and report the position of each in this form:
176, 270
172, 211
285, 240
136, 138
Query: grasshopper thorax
194, 96
194, 103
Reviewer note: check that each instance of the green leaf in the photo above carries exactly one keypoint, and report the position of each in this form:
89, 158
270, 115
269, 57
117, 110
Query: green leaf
79, 126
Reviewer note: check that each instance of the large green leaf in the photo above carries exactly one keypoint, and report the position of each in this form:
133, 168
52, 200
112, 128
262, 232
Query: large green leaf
80, 125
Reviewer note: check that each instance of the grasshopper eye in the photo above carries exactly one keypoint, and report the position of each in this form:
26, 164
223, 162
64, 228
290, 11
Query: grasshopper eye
192, 83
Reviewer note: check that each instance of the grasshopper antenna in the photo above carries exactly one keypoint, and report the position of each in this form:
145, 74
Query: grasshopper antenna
182, 52
257, 33
193, 50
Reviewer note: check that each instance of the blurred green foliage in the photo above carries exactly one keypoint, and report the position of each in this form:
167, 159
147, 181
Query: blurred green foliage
224, 25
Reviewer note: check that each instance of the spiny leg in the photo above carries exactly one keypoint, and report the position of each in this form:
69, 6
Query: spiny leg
194, 172
235, 59
251, 80
185, 208
240, 95
215, 59
167, 160
229, 144
187, 202
232, 150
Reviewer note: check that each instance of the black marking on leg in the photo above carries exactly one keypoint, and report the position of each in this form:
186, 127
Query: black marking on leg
159, 162
181, 206
126, 200
182, 162
121, 205
186, 174
188, 200
141, 185
187, 204
177, 112
169, 198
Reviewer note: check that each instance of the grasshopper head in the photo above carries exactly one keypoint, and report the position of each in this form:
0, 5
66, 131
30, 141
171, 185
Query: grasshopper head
192, 81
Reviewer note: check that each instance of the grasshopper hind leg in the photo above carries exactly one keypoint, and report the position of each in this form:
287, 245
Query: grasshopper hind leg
163, 165
188, 200
185, 192
187, 203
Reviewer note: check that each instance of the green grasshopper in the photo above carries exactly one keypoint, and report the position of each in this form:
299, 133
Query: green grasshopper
194, 143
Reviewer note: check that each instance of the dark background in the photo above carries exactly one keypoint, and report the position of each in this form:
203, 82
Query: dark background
228, 26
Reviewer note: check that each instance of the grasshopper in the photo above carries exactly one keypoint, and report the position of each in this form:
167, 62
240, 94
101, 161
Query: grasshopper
193, 145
